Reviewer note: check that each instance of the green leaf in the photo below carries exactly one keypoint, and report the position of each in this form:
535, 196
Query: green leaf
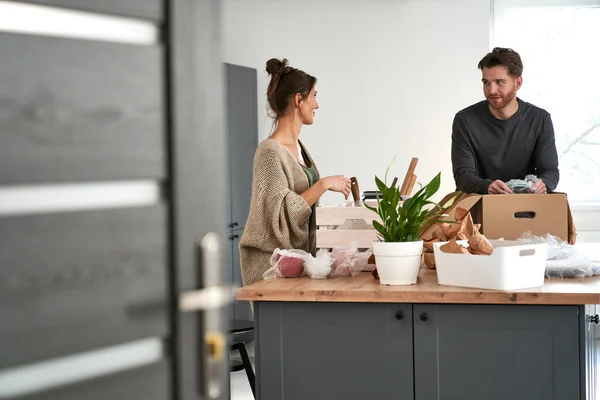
380, 228
432, 187
381, 186
452, 200
368, 207
388, 168
401, 222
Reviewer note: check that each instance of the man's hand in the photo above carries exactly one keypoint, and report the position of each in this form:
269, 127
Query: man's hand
539, 187
499, 187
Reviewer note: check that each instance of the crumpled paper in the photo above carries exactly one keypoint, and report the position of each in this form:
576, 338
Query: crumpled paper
453, 247
462, 229
480, 245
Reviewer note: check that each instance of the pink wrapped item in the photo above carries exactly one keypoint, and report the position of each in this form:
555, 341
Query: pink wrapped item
286, 264
348, 261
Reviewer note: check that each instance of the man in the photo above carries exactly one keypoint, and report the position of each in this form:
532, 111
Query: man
503, 137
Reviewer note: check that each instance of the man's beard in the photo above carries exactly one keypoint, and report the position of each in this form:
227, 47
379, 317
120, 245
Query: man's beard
507, 98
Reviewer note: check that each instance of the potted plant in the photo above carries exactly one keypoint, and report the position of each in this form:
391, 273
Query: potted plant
399, 250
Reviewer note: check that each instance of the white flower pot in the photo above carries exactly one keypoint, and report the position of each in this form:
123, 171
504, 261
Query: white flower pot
398, 263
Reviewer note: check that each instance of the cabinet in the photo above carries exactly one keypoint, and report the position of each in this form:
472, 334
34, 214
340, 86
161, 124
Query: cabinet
591, 336
419, 351
334, 351
496, 352
242, 140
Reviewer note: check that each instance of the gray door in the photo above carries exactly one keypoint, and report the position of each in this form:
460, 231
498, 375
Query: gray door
242, 134
106, 112
461, 350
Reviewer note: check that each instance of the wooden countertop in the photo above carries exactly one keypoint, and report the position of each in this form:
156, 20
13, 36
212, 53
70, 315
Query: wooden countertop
364, 288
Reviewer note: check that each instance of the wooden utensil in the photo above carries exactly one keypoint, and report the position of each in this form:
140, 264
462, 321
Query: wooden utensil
411, 185
409, 176
355, 191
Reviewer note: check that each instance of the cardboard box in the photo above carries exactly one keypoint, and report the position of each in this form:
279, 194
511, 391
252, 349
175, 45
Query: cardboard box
509, 216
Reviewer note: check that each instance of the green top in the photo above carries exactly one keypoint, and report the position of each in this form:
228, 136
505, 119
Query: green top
313, 177
311, 174
309, 169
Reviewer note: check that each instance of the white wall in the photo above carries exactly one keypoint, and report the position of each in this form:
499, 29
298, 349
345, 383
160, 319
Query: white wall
391, 75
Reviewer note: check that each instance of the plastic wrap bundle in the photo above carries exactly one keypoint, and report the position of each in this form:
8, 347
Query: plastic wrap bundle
294, 263
319, 267
564, 260
348, 261
286, 264
522, 185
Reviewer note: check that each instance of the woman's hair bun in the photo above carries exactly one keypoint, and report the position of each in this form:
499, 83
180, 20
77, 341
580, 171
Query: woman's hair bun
275, 66
285, 83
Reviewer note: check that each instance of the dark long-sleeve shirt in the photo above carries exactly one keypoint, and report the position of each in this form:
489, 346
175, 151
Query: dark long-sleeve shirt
485, 148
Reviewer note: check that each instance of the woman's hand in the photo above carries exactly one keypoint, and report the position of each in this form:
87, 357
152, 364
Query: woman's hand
337, 183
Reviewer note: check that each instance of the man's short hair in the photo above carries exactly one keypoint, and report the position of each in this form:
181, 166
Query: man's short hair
508, 58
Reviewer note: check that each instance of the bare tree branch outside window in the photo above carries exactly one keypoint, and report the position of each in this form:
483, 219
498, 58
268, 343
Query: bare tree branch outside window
559, 51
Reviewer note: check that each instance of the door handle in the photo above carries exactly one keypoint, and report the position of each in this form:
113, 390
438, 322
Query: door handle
211, 301
210, 298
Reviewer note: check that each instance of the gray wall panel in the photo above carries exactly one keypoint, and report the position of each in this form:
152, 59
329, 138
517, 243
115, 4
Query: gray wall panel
86, 110
76, 281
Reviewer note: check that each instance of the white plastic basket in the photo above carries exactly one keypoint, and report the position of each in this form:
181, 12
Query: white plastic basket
512, 266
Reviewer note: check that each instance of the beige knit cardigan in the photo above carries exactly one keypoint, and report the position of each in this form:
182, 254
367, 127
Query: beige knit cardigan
279, 217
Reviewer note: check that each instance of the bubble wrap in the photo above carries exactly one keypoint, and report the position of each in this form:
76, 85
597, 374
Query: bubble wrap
564, 260
522, 185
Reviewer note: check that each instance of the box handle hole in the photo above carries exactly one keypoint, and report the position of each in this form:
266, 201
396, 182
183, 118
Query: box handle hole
525, 214
528, 252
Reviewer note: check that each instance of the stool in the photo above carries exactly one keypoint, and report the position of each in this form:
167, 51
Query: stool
242, 332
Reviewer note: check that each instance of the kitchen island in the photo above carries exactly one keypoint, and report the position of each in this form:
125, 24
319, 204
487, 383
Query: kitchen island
352, 338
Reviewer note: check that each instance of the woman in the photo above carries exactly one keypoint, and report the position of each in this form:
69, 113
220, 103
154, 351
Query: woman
286, 185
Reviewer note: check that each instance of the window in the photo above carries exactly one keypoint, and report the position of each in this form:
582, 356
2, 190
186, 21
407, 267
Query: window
559, 43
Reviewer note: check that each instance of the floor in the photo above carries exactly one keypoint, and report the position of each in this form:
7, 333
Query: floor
240, 389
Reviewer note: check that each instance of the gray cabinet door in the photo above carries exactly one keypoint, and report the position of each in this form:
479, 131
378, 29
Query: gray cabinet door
242, 127
242, 140
590, 351
334, 351
497, 352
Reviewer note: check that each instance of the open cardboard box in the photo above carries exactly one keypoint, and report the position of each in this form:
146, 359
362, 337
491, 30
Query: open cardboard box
509, 216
